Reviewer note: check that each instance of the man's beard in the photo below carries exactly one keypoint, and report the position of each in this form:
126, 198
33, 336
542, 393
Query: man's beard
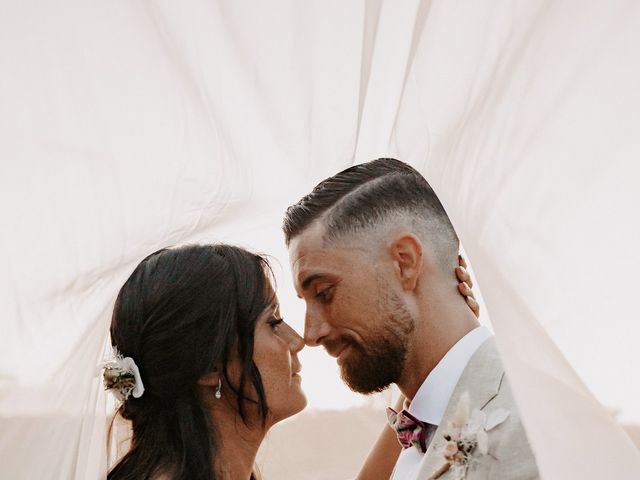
374, 366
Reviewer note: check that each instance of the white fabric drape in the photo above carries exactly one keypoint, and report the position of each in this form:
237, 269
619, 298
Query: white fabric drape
126, 126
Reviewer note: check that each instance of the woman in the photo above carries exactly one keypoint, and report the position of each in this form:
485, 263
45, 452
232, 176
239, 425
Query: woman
206, 366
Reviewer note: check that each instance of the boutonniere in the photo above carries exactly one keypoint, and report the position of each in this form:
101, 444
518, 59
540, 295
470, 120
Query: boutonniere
465, 435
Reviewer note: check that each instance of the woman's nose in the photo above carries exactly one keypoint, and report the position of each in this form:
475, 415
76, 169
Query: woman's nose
297, 342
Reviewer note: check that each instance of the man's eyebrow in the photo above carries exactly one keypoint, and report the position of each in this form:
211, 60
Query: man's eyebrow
309, 280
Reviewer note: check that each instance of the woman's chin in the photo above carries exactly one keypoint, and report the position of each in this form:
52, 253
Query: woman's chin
296, 402
303, 403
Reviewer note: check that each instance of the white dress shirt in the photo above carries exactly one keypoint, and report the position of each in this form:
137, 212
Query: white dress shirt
432, 398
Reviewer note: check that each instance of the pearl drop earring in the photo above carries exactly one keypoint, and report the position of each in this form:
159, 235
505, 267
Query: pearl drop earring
218, 394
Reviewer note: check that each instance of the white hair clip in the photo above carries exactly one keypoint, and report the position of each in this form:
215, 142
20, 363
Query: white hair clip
121, 376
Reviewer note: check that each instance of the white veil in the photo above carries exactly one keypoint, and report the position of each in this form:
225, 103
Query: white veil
129, 126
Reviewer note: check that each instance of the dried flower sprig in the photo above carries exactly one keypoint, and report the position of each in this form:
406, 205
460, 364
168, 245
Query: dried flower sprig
466, 433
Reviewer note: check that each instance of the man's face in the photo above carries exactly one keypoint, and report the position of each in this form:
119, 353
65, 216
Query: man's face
353, 309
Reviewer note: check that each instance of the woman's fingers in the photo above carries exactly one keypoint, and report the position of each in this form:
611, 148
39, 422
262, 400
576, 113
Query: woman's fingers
463, 276
465, 290
465, 286
473, 305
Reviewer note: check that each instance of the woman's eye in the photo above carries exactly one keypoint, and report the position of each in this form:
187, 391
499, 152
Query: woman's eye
325, 295
274, 323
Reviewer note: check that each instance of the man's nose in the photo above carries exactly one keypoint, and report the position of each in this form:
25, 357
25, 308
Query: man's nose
315, 328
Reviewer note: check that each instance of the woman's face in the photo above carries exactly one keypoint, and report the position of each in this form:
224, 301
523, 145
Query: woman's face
275, 353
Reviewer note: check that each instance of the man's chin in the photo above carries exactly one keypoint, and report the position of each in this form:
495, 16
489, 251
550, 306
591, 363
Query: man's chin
361, 379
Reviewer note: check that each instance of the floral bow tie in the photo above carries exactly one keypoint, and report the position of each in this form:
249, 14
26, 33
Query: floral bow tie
409, 429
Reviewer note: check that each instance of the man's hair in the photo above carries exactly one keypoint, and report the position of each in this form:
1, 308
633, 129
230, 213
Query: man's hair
372, 194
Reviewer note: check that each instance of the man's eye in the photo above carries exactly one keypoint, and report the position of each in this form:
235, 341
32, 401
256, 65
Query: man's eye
325, 295
274, 323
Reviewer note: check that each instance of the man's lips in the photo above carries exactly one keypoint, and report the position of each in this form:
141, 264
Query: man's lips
335, 351
335, 346
338, 351
343, 353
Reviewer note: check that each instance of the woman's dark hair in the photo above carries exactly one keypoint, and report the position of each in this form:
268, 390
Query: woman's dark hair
182, 312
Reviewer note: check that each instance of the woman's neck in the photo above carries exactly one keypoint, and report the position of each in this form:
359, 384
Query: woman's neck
236, 446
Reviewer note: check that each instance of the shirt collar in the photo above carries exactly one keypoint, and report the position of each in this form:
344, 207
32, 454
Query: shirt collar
432, 398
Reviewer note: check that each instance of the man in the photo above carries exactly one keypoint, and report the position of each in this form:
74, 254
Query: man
371, 252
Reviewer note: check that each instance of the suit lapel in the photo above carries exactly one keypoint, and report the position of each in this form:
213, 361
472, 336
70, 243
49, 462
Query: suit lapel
482, 379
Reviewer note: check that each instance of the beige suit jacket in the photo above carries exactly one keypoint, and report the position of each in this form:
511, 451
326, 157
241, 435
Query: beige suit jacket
510, 456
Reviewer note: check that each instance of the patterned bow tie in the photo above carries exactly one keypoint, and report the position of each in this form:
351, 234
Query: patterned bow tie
409, 429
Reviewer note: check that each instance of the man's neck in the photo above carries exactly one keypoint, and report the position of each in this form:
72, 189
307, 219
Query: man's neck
432, 340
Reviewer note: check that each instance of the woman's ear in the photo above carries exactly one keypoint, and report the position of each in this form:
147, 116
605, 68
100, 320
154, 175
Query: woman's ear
406, 254
210, 379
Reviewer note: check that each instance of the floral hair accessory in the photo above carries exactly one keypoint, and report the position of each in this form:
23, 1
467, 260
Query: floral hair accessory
121, 377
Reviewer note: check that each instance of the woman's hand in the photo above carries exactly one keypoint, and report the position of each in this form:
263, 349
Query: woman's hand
465, 285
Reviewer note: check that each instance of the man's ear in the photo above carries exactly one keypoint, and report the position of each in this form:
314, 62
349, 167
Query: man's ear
406, 253
210, 379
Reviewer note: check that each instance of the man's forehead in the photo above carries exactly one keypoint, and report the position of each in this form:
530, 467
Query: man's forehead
311, 258
309, 242
308, 255
321, 259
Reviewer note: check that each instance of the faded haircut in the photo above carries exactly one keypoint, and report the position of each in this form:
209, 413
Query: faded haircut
366, 197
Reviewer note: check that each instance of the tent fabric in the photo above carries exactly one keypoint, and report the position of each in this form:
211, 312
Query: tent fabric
129, 126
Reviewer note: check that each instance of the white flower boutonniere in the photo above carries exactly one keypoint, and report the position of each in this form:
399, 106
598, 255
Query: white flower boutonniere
465, 435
